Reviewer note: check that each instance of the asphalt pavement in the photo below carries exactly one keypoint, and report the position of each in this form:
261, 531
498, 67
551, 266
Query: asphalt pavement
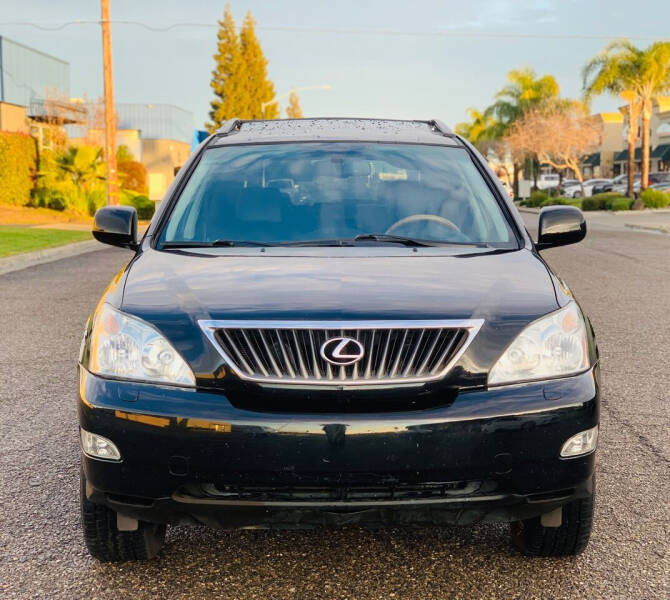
622, 279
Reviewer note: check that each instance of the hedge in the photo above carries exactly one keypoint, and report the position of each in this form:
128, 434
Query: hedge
655, 198
537, 198
563, 201
145, 207
607, 201
18, 166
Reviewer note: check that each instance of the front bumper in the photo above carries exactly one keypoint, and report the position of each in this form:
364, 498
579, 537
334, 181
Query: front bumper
190, 456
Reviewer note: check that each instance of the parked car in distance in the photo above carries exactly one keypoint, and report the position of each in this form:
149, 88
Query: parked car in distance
663, 186
547, 180
656, 177
575, 191
337, 321
601, 188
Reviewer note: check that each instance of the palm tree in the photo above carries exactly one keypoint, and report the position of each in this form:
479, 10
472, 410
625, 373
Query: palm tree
524, 91
481, 130
83, 164
484, 132
638, 75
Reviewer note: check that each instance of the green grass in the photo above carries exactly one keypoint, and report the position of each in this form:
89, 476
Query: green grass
14, 240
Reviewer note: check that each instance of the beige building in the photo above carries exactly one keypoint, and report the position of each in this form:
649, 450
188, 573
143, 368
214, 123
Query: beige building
659, 140
660, 134
163, 158
13, 118
157, 135
601, 162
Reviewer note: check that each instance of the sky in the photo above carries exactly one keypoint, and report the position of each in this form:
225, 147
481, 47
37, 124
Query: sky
396, 75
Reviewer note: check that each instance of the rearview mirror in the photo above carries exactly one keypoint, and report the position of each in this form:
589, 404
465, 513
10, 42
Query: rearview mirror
117, 226
560, 226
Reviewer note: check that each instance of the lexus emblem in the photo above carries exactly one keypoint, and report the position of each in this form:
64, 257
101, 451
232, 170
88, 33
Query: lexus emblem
342, 351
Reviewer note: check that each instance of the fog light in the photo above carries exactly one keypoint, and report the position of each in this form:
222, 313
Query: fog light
582, 443
97, 446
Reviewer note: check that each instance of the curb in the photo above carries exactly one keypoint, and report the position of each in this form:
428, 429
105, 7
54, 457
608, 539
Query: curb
39, 257
658, 228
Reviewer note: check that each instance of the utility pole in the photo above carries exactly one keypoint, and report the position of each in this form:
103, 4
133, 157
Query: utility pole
110, 114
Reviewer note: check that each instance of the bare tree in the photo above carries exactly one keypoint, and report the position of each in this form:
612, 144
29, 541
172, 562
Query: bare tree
558, 136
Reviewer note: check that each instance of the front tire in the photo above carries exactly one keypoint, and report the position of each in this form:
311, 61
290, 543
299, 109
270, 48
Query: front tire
570, 539
106, 543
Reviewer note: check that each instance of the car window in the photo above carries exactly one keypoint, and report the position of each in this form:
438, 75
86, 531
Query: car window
291, 192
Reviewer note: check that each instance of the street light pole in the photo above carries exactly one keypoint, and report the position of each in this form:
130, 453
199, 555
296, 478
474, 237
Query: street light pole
300, 89
110, 115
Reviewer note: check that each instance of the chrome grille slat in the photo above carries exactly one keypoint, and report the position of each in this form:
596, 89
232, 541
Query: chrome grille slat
449, 345
241, 358
289, 366
371, 353
303, 369
259, 364
382, 363
426, 360
410, 362
317, 371
289, 352
398, 354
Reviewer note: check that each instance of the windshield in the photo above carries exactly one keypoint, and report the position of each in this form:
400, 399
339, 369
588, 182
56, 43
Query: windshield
301, 192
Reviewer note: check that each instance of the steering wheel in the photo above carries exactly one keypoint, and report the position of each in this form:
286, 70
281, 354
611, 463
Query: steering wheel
424, 217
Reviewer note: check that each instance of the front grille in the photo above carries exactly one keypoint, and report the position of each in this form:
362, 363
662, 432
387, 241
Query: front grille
288, 352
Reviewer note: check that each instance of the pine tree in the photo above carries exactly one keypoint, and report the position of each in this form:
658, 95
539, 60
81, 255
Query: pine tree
228, 76
293, 110
259, 88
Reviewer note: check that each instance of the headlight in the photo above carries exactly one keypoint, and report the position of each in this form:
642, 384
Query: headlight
128, 348
553, 346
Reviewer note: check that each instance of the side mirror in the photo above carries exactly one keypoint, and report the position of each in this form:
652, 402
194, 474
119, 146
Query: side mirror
117, 226
559, 226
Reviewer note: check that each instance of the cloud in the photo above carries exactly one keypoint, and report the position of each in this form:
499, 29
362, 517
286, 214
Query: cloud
507, 13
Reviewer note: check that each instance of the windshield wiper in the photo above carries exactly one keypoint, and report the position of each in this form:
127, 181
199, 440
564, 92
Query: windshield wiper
333, 242
385, 237
407, 241
213, 244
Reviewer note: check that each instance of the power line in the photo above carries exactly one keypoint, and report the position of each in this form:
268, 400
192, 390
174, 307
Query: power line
346, 31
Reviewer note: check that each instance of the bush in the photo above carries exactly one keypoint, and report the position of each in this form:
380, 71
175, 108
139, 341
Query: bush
563, 201
621, 203
594, 203
608, 196
18, 165
72, 180
537, 197
607, 201
145, 207
50, 198
133, 176
655, 198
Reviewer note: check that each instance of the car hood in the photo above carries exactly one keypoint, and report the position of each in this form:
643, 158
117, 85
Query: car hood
173, 290
404, 284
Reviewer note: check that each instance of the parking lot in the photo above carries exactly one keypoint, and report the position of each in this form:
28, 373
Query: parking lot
622, 279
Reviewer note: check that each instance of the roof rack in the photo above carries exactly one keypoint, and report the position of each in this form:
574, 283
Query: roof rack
440, 127
229, 126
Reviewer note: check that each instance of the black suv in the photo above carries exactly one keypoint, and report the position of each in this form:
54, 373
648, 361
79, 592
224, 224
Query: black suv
337, 321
